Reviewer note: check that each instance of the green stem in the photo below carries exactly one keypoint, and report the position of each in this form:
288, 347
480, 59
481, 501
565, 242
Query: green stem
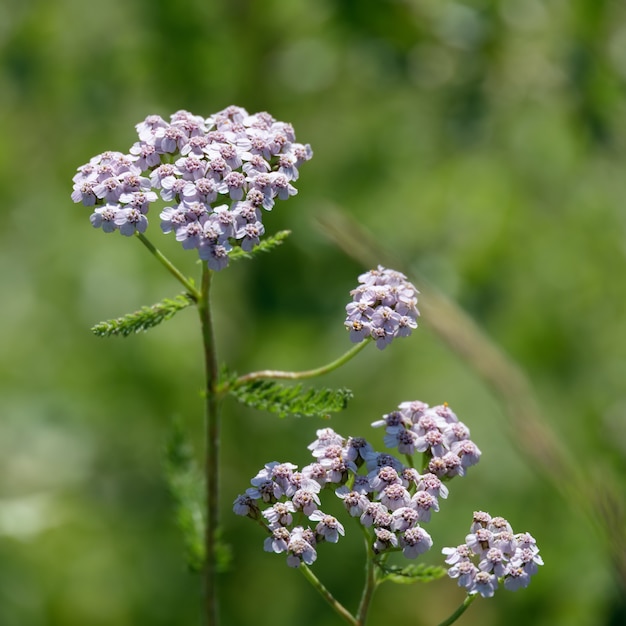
171, 268
318, 371
370, 584
455, 616
212, 441
336, 605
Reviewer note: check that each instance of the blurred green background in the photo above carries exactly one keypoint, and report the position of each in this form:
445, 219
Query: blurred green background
483, 142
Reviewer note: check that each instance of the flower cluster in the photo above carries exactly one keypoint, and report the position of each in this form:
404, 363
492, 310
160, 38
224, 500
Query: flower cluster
501, 555
383, 306
217, 173
393, 500
388, 497
435, 431
291, 497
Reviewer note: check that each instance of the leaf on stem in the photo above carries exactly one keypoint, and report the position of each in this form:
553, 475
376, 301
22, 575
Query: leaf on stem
285, 400
186, 486
145, 318
410, 574
265, 245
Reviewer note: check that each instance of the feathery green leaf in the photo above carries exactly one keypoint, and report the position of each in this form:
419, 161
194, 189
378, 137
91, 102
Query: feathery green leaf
270, 396
410, 574
265, 245
145, 318
186, 486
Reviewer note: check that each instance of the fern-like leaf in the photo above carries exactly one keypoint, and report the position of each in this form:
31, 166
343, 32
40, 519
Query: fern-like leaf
270, 396
265, 245
185, 483
147, 317
410, 574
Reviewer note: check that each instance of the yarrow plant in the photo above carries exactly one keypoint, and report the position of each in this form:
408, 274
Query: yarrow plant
213, 178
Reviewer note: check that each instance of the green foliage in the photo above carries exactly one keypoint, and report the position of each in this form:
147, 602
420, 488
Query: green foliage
409, 574
147, 317
226, 377
266, 245
285, 400
186, 485
484, 142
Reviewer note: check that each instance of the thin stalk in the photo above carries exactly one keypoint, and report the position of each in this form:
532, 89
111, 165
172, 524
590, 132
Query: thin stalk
212, 442
455, 616
335, 604
170, 267
318, 371
369, 587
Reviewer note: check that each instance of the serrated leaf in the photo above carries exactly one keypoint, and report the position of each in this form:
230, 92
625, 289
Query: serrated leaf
147, 317
294, 400
186, 486
226, 376
410, 574
265, 245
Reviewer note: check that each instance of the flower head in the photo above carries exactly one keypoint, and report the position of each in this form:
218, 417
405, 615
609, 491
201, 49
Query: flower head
492, 554
435, 431
384, 306
216, 172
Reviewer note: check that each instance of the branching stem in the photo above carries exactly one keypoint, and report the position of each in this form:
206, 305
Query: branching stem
370, 583
332, 601
455, 616
318, 371
171, 268
211, 423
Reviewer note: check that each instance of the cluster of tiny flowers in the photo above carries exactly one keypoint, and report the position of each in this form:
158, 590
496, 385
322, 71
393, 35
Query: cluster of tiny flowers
383, 306
501, 556
388, 497
290, 499
435, 431
217, 173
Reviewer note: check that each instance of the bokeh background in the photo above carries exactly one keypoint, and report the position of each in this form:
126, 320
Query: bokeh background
483, 142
